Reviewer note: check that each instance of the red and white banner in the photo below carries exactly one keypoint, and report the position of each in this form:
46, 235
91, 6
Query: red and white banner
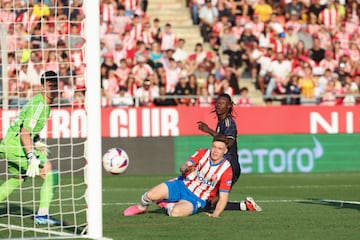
181, 121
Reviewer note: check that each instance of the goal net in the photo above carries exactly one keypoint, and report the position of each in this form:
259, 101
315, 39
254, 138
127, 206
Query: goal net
52, 35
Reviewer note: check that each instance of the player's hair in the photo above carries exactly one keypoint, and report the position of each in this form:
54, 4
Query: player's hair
227, 97
48, 76
221, 138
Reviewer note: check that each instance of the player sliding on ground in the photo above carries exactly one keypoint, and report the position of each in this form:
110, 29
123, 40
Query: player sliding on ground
226, 126
205, 174
25, 155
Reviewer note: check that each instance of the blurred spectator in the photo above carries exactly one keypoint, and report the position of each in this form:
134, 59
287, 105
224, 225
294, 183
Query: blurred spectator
329, 96
307, 84
231, 48
119, 19
193, 87
204, 100
263, 10
156, 30
230, 76
328, 62
213, 85
293, 8
123, 72
244, 99
79, 99
200, 75
180, 54
208, 16
293, 90
182, 89
146, 35
195, 7
164, 99
74, 38
305, 37
155, 55
141, 70
110, 85
168, 38
280, 70
290, 37
317, 53
122, 98
146, 94
119, 52
107, 65
172, 75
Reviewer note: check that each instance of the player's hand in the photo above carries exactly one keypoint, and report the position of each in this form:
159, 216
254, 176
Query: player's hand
203, 126
211, 215
33, 165
42, 147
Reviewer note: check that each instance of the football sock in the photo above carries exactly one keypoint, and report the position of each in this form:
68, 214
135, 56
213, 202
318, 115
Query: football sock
47, 191
170, 207
145, 201
233, 206
238, 206
8, 187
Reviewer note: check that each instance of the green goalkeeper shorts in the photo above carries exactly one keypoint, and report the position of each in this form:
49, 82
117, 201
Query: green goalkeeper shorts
17, 165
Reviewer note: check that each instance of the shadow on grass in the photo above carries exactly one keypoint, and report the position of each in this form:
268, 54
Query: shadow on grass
333, 203
18, 210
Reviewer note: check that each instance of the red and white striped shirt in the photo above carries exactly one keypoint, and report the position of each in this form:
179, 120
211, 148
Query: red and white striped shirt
107, 11
130, 4
329, 17
208, 178
168, 41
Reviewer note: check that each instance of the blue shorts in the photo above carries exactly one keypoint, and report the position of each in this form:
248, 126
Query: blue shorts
178, 191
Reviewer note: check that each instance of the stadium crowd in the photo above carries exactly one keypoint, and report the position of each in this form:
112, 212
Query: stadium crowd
301, 52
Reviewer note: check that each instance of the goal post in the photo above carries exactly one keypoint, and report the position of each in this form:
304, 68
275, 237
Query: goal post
93, 103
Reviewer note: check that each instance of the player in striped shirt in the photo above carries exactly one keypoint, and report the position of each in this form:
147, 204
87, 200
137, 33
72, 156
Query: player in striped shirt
205, 174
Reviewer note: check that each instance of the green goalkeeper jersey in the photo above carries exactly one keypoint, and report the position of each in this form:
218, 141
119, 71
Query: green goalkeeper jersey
33, 116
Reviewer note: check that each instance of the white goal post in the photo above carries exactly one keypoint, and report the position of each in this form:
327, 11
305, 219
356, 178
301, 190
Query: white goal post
93, 103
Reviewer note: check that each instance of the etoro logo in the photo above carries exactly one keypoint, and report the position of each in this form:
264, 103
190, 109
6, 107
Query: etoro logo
279, 160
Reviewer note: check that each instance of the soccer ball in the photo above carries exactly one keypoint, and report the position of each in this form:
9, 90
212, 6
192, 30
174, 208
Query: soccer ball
115, 161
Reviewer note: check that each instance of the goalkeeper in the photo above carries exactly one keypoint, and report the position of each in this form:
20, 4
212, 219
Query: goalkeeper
26, 156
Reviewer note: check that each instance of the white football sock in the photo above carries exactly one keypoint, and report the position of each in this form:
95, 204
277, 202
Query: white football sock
145, 201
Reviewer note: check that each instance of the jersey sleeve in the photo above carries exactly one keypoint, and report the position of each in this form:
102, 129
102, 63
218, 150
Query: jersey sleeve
230, 130
226, 180
34, 116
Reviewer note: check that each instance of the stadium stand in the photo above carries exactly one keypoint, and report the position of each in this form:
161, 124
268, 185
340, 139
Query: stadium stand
286, 51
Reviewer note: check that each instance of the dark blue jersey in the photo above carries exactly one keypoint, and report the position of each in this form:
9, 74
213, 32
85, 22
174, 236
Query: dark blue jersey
227, 128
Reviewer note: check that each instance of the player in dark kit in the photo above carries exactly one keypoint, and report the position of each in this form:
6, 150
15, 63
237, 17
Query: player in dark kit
226, 126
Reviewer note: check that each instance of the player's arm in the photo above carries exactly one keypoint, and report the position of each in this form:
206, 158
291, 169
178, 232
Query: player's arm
206, 129
221, 204
25, 137
187, 167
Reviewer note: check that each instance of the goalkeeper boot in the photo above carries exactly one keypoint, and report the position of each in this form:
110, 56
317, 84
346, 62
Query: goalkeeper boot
134, 210
46, 220
251, 205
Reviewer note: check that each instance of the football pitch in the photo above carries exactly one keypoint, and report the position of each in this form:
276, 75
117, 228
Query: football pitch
295, 206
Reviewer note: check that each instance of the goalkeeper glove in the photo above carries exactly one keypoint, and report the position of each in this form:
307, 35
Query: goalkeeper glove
33, 165
42, 148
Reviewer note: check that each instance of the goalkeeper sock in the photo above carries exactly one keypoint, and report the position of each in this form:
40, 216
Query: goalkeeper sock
47, 191
145, 201
8, 187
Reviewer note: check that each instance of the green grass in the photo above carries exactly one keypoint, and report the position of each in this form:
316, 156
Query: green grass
292, 210
291, 203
